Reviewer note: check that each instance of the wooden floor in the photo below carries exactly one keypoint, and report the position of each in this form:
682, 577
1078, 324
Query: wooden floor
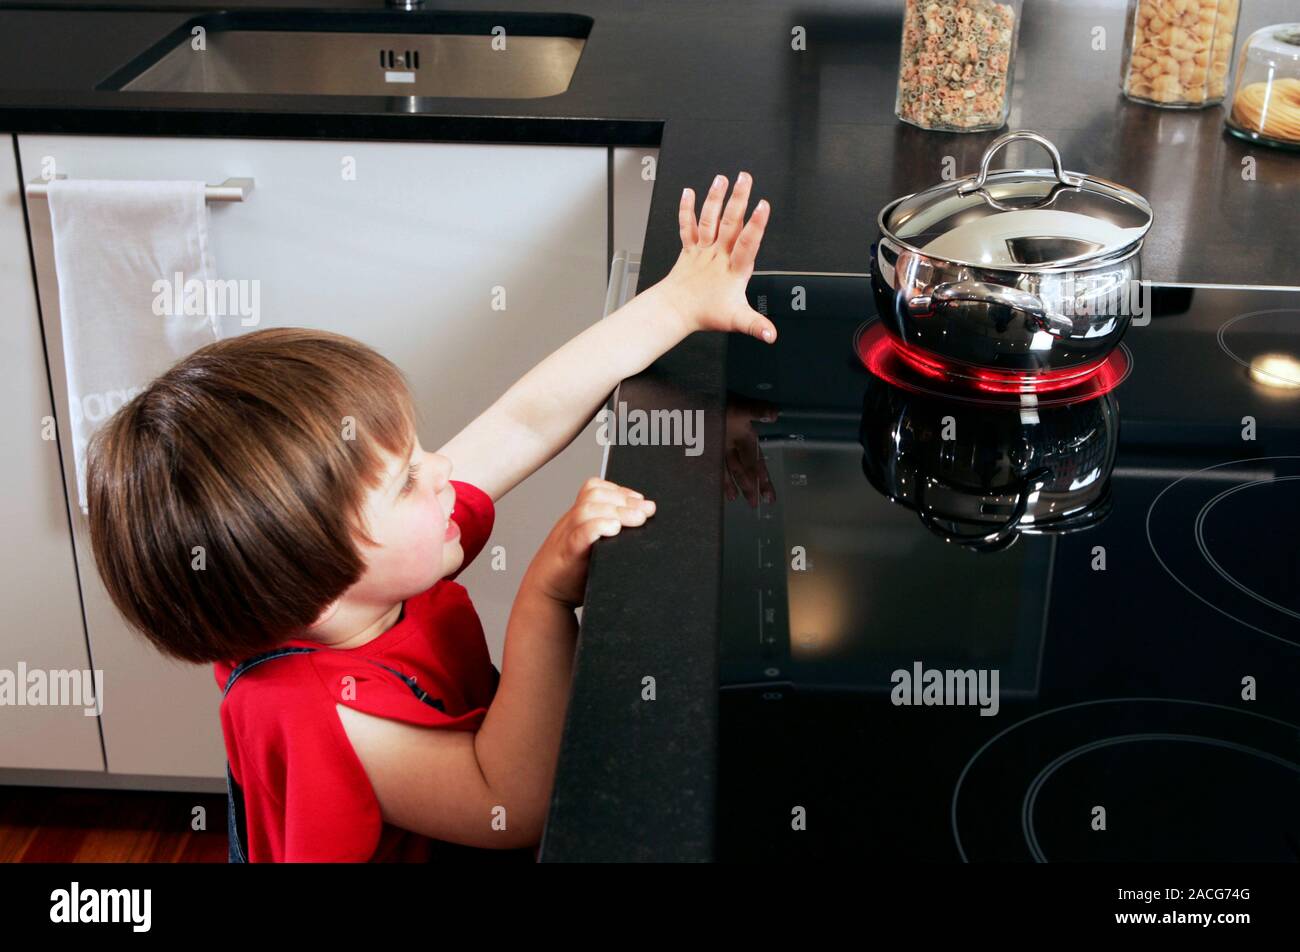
61, 825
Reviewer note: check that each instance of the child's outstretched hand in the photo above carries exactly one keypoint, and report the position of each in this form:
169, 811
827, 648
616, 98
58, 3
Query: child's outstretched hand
707, 284
559, 569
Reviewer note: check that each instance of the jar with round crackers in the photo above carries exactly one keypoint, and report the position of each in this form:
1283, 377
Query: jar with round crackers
1178, 53
1265, 102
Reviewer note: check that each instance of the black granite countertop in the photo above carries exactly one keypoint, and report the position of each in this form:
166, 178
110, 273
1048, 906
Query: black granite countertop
717, 87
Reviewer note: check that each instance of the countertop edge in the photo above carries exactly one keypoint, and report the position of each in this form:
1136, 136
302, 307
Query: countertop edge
646, 791
390, 127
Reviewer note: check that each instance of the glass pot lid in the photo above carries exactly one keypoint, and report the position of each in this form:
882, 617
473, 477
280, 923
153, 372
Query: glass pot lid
1021, 219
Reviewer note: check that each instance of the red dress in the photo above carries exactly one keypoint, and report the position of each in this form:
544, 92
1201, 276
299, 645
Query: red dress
306, 795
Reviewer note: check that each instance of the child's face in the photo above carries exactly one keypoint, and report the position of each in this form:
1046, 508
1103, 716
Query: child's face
408, 517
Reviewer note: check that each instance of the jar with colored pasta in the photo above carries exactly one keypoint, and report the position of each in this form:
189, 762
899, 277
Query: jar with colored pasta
955, 70
1265, 104
1178, 52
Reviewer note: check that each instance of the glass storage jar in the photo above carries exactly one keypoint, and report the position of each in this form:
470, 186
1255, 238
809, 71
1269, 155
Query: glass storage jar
1265, 103
1178, 52
955, 69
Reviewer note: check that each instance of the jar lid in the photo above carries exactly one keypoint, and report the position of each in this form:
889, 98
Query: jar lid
1020, 219
1274, 44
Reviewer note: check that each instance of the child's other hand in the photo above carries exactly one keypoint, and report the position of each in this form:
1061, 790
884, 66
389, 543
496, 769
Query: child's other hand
559, 569
707, 284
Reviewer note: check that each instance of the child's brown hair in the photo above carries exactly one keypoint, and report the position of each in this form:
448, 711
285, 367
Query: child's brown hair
259, 449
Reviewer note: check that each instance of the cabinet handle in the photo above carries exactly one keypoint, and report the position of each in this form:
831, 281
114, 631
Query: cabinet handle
623, 273
231, 190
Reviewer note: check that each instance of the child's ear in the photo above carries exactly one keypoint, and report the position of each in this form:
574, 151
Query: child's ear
327, 613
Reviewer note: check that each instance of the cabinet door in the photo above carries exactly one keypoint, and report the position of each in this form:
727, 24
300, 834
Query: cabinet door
463, 263
41, 630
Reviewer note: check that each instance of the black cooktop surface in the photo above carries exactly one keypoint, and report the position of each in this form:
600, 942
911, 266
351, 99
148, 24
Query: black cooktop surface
969, 625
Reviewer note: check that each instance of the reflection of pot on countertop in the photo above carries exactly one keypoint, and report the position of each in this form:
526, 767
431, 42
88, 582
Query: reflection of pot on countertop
980, 475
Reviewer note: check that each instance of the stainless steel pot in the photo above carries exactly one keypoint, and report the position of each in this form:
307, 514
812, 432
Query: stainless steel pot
1021, 270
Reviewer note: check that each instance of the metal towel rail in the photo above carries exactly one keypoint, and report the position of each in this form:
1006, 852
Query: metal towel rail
231, 190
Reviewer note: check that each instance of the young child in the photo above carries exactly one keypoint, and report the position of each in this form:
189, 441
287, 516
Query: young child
266, 505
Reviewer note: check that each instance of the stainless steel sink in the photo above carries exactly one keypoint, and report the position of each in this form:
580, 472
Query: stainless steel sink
364, 53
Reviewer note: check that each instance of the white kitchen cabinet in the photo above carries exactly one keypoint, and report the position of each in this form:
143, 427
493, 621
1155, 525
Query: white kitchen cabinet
409, 255
41, 630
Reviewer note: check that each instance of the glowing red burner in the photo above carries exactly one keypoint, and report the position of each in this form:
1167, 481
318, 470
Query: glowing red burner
915, 369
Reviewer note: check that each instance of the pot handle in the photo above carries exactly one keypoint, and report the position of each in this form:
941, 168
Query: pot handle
1037, 316
999, 538
975, 183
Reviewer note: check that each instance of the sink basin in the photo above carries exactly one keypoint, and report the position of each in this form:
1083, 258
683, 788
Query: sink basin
364, 53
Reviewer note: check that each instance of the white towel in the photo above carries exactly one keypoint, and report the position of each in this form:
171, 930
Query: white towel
120, 250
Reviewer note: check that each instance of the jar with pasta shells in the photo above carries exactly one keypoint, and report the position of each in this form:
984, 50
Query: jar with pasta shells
1178, 53
955, 68
1265, 102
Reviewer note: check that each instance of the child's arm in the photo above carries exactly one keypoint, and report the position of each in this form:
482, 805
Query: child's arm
547, 407
447, 784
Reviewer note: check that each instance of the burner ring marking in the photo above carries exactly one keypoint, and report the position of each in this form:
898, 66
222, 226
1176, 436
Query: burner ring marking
956, 793
1154, 551
1031, 795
